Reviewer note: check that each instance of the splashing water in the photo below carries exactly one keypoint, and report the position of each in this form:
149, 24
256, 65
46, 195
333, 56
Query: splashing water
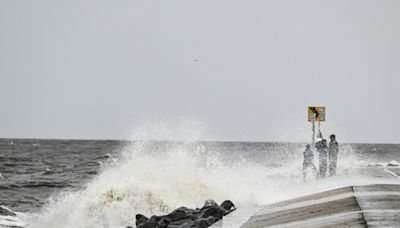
152, 177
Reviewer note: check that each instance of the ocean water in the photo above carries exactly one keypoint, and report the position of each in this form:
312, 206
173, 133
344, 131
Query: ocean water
104, 183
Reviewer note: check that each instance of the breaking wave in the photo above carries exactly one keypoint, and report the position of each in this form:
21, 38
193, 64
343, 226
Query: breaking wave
153, 178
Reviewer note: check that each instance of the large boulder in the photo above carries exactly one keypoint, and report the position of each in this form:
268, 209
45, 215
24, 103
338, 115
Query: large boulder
141, 219
187, 211
185, 223
210, 203
215, 212
206, 222
227, 206
184, 217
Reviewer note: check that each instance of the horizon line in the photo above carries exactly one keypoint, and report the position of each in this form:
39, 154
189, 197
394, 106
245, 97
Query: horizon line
177, 140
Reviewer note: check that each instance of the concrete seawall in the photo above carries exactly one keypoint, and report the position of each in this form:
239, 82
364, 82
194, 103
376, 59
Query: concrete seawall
353, 206
375, 205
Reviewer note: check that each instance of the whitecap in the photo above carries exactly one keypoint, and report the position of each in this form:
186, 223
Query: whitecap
9, 218
393, 163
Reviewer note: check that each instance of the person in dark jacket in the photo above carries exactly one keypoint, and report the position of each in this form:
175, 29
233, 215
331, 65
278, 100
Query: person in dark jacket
333, 153
323, 158
308, 161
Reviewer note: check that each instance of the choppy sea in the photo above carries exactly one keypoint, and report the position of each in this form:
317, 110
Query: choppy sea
104, 183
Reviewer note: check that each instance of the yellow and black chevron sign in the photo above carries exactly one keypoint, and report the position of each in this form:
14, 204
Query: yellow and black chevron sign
318, 113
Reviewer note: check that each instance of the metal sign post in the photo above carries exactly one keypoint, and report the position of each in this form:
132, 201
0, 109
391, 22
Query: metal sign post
316, 114
313, 129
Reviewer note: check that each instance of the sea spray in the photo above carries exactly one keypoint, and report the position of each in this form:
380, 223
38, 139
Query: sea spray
154, 177
153, 182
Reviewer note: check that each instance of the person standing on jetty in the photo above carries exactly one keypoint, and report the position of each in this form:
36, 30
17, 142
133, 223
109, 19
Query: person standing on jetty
333, 153
308, 161
323, 150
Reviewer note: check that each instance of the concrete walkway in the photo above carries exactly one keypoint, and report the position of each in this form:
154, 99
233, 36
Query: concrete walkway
375, 205
353, 206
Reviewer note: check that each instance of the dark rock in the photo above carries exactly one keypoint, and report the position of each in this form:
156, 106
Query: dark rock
206, 222
184, 217
210, 203
188, 211
140, 219
164, 222
155, 219
215, 212
185, 223
150, 223
228, 205
179, 215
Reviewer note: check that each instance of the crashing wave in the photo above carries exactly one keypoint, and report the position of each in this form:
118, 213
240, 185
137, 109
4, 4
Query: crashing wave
10, 219
393, 163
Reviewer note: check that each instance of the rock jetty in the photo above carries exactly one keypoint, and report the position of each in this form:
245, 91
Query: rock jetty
184, 217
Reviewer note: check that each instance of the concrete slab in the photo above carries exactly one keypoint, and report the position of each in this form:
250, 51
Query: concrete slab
375, 205
379, 202
316, 196
382, 218
345, 205
236, 218
354, 206
336, 220
377, 188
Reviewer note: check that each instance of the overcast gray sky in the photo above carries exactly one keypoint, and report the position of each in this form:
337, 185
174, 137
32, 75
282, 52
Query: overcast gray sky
243, 70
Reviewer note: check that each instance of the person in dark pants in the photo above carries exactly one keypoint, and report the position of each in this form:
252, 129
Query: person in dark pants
323, 150
308, 161
333, 153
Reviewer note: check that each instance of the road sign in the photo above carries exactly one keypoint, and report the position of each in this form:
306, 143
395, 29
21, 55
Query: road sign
316, 113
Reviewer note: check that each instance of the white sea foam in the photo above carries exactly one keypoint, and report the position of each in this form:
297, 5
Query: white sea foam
15, 220
393, 163
153, 182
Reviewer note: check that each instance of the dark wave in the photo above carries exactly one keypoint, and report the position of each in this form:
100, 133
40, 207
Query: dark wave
106, 156
6, 212
14, 159
40, 184
39, 168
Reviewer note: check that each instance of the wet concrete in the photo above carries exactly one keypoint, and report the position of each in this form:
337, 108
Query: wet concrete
237, 218
375, 205
354, 206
